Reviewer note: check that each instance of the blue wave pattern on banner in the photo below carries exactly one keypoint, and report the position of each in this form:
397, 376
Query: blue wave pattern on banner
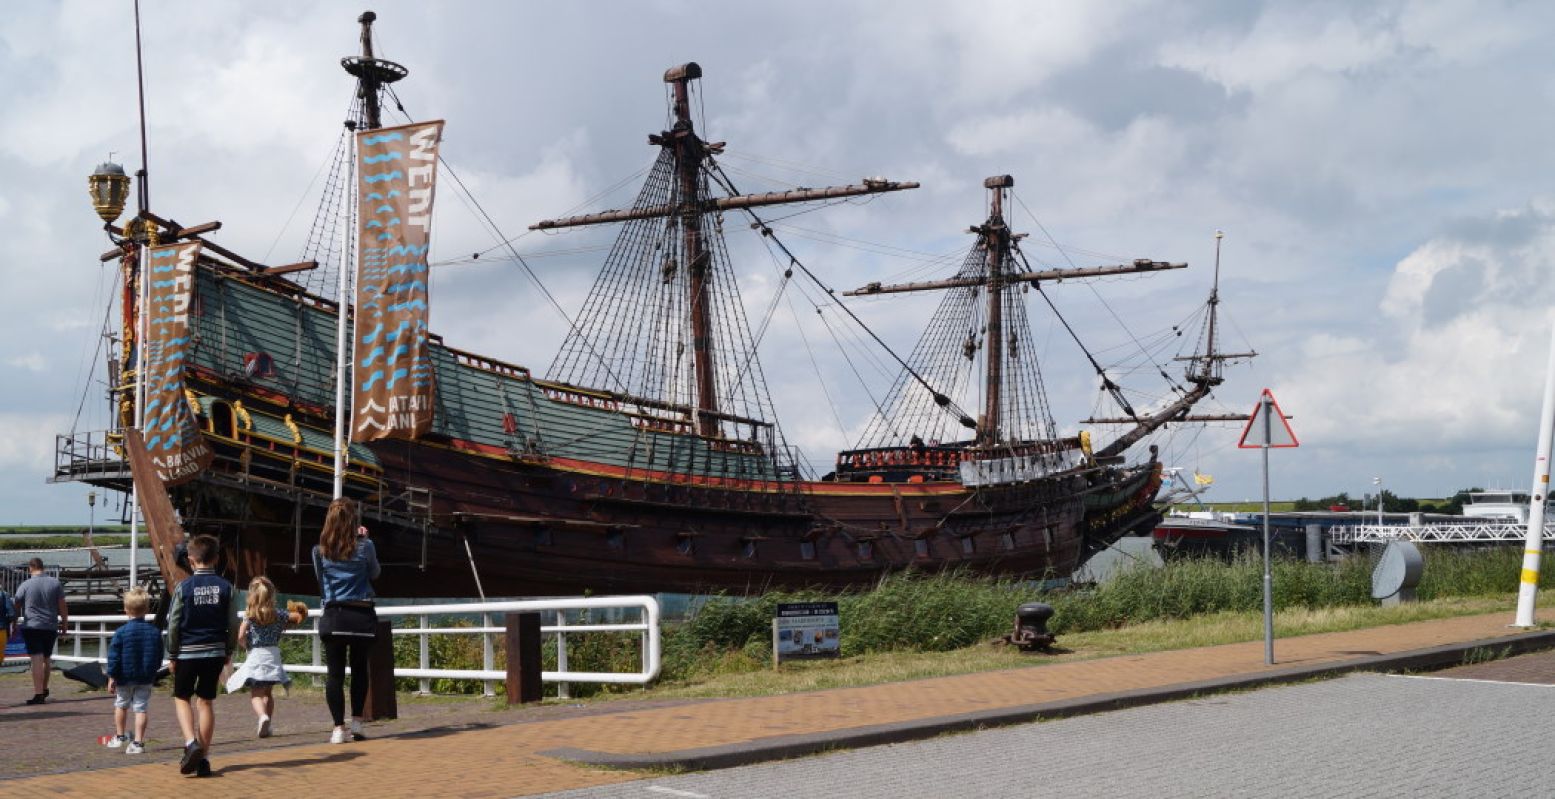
171, 433
393, 373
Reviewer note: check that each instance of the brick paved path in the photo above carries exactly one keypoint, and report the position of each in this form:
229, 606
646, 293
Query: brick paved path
510, 760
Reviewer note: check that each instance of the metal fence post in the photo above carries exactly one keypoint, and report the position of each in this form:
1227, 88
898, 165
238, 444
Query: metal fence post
75, 641
424, 660
316, 646
563, 691
102, 641
488, 656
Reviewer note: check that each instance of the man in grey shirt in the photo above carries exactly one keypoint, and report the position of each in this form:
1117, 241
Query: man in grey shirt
42, 615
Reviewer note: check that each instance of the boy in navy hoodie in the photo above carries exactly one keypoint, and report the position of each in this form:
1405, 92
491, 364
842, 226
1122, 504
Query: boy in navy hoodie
134, 655
202, 632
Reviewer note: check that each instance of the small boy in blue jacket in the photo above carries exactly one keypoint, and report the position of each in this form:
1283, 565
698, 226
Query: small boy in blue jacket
134, 655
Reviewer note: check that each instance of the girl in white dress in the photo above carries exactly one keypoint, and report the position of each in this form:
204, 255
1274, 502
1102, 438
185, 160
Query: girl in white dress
260, 633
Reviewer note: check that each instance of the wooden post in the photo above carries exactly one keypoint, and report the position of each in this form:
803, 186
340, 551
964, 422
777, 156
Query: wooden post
381, 701
523, 651
161, 522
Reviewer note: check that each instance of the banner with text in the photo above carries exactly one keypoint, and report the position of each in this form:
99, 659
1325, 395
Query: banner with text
396, 174
172, 435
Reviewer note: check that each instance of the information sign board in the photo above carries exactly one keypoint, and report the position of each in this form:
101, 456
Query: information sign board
806, 631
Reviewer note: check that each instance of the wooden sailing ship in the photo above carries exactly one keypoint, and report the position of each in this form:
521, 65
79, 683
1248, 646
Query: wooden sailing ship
649, 457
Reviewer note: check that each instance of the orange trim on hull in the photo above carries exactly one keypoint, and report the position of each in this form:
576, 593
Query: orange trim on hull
758, 486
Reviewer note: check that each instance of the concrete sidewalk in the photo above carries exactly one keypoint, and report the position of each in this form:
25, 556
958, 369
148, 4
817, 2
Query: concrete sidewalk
540, 756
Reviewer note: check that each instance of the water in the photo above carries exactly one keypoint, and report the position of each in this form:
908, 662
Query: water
1130, 551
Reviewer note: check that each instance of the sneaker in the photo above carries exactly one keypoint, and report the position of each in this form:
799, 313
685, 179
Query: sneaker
356, 730
194, 755
338, 735
37, 699
264, 727
204, 769
116, 741
134, 748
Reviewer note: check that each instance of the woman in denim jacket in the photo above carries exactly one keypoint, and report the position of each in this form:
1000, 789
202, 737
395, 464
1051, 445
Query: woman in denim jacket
346, 564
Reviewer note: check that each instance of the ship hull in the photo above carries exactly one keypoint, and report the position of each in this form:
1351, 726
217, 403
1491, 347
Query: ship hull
528, 529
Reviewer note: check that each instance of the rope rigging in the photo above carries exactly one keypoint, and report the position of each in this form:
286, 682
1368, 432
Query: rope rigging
1106, 382
940, 399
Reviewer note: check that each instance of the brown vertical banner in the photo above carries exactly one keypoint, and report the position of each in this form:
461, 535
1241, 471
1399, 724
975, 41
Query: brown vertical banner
172, 435
392, 369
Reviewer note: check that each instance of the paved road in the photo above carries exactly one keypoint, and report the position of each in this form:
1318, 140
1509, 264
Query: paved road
1360, 736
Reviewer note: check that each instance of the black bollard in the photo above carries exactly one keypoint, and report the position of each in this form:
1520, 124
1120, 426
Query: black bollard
523, 652
1031, 631
381, 700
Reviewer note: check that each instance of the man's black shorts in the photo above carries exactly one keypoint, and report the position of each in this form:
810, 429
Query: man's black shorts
39, 641
197, 677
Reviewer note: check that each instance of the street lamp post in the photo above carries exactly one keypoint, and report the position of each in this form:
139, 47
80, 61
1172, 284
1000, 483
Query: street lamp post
1377, 481
109, 188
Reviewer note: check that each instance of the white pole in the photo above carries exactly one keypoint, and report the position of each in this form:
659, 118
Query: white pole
1377, 481
342, 341
1268, 576
1533, 547
142, 332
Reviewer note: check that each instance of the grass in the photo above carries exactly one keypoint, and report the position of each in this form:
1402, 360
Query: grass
1155, 636
1255, 506
62, 542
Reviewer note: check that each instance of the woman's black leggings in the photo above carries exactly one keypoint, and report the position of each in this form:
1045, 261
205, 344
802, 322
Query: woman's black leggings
337, 648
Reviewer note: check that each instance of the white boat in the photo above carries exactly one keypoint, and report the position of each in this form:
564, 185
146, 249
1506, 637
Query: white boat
1505, 505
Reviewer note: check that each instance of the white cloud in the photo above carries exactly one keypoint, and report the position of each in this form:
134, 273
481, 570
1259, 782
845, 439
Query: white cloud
27, 442
1286, 42
32, 362
1457, 363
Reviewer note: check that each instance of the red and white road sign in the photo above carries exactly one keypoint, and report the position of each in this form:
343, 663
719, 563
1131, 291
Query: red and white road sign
1278, 429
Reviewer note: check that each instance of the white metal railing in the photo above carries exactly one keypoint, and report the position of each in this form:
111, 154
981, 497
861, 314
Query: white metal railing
84, 628
1434, 533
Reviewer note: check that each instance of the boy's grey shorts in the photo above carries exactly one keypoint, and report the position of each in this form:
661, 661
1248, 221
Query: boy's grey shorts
135, 697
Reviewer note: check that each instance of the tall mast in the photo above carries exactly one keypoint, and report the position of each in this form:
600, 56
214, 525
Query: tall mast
1203, 373
996, 240
372, 74
689, 153
1209, 368
368, 90
990, 267
679, 195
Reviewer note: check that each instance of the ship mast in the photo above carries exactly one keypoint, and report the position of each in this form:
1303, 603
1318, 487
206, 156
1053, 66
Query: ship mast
1203, 373
371, 74
998, 275
689, 153
686, 207
996, 241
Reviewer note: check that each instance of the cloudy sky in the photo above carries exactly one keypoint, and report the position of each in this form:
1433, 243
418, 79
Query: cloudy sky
1382, 172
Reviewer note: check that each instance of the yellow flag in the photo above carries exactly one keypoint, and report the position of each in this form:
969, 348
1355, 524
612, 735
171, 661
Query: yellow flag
1203, 479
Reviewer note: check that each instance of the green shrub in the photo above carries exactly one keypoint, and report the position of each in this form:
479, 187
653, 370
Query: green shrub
915, 612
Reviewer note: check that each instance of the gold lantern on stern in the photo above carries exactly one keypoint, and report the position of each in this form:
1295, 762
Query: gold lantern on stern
109, 187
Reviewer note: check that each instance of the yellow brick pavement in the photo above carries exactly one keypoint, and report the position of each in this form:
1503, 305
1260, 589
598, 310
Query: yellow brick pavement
506, 761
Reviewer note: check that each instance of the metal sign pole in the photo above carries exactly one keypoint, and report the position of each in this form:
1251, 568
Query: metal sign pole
1268, 576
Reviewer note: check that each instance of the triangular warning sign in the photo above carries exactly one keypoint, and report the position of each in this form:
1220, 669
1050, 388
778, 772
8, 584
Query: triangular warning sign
1260, 430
